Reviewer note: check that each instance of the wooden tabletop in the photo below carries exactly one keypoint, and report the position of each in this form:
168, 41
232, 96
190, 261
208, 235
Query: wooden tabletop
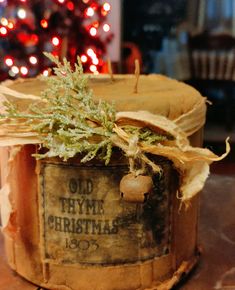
216, 269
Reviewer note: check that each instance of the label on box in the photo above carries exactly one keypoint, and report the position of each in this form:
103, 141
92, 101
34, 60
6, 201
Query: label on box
85, 221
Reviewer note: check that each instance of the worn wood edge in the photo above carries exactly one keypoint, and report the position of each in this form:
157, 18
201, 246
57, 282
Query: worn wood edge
183, 270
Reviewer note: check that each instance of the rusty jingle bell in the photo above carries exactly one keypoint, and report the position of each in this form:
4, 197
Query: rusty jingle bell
136, 188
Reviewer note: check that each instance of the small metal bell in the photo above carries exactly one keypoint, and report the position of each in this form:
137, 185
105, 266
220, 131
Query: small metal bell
136, 188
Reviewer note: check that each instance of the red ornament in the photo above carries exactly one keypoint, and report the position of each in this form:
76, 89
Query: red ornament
94, 5
23, 37
34, 39
70, 6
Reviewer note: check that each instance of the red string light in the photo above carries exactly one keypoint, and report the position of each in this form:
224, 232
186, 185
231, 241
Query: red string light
95, 61
15, 69
84, 58
93, 31
91, 58
3, 31
10, 25
91, 52
89, 12
96, 24
93, 68
44, 23
55, 41
33, 59
4, 21
45, 73
9, 61
106, 27
106, 6
21, 13
24, 70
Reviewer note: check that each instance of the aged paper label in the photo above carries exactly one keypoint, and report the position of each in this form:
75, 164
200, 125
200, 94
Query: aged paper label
85, 221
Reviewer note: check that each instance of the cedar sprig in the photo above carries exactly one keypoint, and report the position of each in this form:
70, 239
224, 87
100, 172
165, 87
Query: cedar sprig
75, 123
69, 121
146, 135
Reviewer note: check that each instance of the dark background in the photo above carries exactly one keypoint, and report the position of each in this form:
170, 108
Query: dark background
147, 22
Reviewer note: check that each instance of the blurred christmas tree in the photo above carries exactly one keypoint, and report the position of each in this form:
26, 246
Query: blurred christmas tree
63, 27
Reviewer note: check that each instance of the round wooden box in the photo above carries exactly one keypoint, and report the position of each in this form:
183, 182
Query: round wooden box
65, 223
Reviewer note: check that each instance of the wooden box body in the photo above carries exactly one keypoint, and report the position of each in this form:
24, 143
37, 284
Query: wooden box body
69, 228
65, 225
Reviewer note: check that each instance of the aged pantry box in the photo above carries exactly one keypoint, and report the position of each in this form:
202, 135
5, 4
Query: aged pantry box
100, 196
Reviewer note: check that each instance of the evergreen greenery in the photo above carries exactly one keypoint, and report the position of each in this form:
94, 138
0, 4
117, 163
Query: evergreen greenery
70, 122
